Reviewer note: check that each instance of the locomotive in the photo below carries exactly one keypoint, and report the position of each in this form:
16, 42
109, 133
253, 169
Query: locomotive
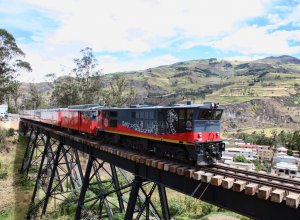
186, 132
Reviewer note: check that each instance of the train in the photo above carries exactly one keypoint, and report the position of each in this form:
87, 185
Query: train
185, 132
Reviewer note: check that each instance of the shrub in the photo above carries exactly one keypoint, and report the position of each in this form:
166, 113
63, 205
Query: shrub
10, 132
176, 208
3, 172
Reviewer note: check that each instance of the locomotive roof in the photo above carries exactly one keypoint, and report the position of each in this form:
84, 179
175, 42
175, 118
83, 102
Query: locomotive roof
90, 107
176, 106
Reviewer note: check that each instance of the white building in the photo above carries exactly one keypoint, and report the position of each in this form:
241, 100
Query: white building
282, 150
3, 110
286, 169
282, 158
230, 153
247, 166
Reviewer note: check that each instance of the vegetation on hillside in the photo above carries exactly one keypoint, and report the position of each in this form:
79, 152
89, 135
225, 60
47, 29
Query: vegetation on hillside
288, 139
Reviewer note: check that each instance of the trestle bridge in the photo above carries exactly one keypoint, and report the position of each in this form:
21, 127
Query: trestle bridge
52, 159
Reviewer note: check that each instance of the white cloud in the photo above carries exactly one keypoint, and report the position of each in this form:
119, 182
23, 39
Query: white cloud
257, 40
112, 64
139, 26
244, 58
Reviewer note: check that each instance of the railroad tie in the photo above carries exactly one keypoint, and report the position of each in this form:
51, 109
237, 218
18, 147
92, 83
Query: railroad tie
277, 195
160, 165
206, 177
292, 200
189, 173
181, 170
251, 189
227, 183
239, 185
217, 180
197, 175
167, 166
264, 192
173, 168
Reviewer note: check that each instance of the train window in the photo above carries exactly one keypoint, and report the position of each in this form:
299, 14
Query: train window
210, 114
141, 115
113, 123
146, 115
189, 114
181, 121
137, 114
151, 115
293, 172
217, 114
113, 114
181, 114
204, 114
133, 115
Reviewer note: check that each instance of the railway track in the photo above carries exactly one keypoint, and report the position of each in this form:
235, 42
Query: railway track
253, 177
258, 174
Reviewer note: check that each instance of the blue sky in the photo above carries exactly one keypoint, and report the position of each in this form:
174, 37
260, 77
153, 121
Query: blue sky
135, 34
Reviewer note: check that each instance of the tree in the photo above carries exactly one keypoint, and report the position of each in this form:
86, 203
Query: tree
240, 158
87, 76
35, 98
119, 92
65, 92
15, 94
10, 62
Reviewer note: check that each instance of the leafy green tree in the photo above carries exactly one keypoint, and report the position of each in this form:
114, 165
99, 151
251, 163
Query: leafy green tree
118, 93
290, 152
10, 62
65, 92
34, 100
240, 158
88, 76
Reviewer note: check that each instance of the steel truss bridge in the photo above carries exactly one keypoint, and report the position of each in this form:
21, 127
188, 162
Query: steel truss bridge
124, 181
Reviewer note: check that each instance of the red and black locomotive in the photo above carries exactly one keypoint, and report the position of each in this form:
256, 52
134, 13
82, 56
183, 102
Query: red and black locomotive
184, 132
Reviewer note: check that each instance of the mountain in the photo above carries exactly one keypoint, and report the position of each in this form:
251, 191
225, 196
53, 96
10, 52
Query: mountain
259, 93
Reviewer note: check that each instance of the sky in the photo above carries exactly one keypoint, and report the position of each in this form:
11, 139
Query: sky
139, 34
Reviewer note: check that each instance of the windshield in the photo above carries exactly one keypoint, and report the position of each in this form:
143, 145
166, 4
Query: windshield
210, 114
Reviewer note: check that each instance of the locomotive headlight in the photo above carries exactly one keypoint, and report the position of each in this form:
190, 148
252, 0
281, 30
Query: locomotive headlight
218, 134
199, 135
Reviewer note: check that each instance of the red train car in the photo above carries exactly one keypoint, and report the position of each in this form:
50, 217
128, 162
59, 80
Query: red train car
82, 118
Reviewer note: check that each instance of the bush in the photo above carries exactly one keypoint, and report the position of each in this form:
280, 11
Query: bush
176, 208
10, 132
3, 172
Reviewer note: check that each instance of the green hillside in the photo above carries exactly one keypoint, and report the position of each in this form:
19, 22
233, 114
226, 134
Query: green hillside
263, 93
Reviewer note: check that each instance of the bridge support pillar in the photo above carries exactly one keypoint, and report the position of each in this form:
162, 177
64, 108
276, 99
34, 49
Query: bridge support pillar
147, 208
59, 175
100, 186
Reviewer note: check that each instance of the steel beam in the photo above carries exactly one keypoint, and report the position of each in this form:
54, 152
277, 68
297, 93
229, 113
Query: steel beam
26, 152
164, 202
136, 185
116, 183
48, 193
84, 187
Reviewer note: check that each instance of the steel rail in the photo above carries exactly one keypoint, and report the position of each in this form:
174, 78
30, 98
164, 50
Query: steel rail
259, 175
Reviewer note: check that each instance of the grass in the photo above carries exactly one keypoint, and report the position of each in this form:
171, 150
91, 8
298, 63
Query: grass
221, 215
229, 100
14, 196
267, 131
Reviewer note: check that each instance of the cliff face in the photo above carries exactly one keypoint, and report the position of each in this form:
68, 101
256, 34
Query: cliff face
262, 113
